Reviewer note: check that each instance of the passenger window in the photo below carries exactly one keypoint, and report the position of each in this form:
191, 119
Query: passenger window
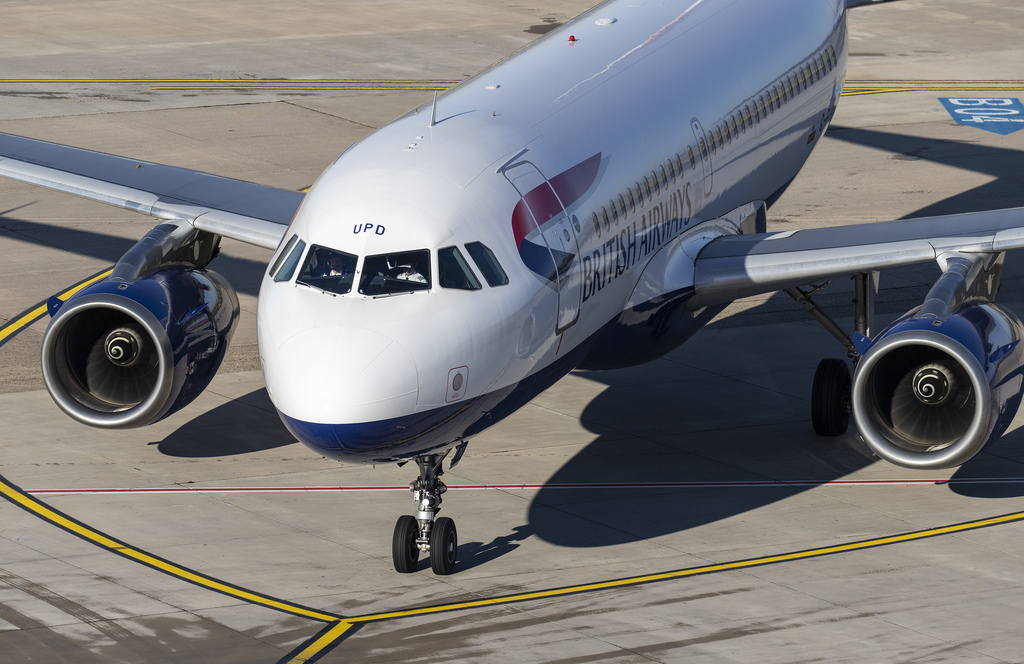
454, 272
604, 217
290, 259
615, 212
328, 269
693, 159
388, 274
488, 265
622, 205
597, 225
734, 130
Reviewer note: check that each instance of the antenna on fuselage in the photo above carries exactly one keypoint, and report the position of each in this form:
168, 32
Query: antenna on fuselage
433, 111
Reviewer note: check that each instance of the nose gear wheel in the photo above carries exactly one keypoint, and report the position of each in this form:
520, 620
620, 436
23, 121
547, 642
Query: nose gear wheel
425, 533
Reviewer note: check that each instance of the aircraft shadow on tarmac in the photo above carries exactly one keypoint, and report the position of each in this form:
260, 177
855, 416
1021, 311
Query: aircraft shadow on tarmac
241, 426
683, 431
784, 451
1004, 165
244, 275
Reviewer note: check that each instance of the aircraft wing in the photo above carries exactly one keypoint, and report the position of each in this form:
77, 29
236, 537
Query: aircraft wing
244, 211
736, 266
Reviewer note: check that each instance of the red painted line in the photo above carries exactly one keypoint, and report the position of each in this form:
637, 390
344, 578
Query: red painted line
769, 484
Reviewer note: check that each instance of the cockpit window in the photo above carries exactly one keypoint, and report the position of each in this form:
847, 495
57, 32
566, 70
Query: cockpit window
329, 270
487, 263
454, 272
387, 274
284, 266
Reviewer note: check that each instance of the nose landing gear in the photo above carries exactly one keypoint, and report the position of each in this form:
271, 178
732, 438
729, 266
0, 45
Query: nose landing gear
423, 533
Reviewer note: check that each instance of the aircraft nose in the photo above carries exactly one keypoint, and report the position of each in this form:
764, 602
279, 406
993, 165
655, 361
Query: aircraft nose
341, 376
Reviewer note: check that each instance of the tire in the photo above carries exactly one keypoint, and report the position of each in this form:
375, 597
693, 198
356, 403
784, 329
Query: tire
444, 545
830, 398
404, 551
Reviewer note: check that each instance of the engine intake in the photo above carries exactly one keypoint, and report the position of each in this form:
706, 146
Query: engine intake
120, 355
933, 392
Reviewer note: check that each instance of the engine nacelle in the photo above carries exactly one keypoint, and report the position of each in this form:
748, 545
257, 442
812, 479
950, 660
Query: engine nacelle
933, 392
125, 354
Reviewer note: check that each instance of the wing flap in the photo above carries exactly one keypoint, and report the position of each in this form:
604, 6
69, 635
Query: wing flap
244, 211
738, 266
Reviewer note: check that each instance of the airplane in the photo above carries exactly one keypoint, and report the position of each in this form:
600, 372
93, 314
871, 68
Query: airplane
590, 202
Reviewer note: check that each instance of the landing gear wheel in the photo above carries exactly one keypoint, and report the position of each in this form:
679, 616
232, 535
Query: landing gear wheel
404, 550
830, 398
444, 545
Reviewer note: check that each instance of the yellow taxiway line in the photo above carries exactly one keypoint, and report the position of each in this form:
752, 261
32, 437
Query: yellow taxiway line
75, 527
25, 319
332, 637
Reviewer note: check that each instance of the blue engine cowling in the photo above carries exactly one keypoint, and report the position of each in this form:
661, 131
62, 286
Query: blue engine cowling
933, 392
125, 354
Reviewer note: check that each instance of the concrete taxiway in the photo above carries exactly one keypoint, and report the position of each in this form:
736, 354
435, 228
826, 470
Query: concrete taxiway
678, 511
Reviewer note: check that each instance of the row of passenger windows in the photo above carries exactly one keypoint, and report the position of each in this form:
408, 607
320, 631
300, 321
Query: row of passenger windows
770, 100
667, 173
746, 117
334, 271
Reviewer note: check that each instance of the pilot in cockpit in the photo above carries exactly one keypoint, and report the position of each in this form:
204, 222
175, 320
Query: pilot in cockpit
334, 266
408, 271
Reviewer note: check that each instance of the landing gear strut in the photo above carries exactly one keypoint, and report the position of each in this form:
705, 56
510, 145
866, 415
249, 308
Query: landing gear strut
830, 395
423, 533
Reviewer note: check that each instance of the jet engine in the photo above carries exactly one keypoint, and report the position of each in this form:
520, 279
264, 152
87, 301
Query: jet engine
936, 387
143, 343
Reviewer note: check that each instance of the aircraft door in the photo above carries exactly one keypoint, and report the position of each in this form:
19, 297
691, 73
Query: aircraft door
704, 154
555, 230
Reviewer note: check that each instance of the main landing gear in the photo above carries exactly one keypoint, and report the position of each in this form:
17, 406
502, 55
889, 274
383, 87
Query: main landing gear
830, 395
435, 537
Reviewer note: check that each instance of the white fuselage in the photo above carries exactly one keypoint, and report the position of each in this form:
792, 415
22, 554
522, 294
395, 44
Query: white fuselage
583, 167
